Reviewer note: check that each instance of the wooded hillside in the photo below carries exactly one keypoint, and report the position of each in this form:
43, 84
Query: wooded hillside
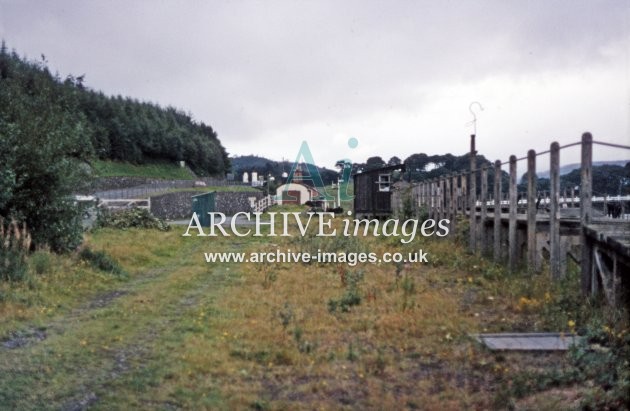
50, 129
116, 128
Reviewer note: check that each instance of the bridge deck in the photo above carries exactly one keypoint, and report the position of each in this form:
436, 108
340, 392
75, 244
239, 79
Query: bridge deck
615, 235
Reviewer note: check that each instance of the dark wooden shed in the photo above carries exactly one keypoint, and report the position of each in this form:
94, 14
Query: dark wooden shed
373, 192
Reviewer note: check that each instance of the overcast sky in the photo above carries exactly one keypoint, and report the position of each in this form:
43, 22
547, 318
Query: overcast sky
397, 75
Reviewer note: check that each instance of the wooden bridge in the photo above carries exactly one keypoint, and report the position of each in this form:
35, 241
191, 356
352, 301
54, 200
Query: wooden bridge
539, 231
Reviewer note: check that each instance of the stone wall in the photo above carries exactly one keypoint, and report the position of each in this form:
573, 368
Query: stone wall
173, 206
230, 203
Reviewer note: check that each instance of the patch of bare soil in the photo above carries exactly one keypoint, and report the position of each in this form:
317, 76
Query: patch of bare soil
26, 337
80, 404
34, 335
553, 399
103, 300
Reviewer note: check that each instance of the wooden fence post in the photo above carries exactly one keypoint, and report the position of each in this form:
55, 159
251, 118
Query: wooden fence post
463, 203
422, 196
448, 198
554, 211
586, 196
497, 211
564, 197
427, 198
484, 209
436, 196
433, 198
531, 211
442, 199
415, 194
512, 223
428, 188
454, 203
436, 193
473, 196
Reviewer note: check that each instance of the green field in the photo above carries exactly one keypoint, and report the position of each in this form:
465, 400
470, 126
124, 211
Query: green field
175, 332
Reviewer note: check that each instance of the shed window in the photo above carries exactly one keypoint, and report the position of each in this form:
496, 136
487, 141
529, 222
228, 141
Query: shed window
384, 182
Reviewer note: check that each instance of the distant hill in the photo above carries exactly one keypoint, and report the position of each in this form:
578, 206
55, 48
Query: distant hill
570, 167
264, 166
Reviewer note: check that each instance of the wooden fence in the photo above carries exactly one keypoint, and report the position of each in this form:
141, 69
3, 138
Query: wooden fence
566, 226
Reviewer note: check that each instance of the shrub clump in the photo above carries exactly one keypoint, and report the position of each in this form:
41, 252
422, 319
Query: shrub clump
41, 262
14, 246
131, 218
603, 357
598, 362
351, 296
101, 261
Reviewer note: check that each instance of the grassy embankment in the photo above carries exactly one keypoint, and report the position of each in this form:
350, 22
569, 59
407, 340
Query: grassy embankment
235, 188
179, 332
163, 170
159, 170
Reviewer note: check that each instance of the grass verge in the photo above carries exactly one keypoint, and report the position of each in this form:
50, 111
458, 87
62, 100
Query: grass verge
163, 170
177, 332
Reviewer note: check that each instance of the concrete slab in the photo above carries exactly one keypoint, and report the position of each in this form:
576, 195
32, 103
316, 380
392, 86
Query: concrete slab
528, 341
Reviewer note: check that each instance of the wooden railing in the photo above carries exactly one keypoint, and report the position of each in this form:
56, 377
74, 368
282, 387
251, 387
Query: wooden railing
456, 195
264, 203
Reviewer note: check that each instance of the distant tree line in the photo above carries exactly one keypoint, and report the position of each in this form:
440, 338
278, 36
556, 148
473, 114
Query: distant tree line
422, 167
124, 129
607, 179
264, 167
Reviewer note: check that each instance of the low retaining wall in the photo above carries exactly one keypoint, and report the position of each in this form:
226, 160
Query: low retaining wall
230, 203
172, 206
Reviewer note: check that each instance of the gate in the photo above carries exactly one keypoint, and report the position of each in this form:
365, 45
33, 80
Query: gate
202, 204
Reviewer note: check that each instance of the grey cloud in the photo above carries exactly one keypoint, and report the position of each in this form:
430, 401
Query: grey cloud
249, 68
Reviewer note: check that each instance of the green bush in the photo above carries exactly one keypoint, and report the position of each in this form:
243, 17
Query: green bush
349, 299
409, 289
40, 262
131, 218
101, 261
42, 146
351, 295
14, 246
599, 362
13, 265
603, 356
